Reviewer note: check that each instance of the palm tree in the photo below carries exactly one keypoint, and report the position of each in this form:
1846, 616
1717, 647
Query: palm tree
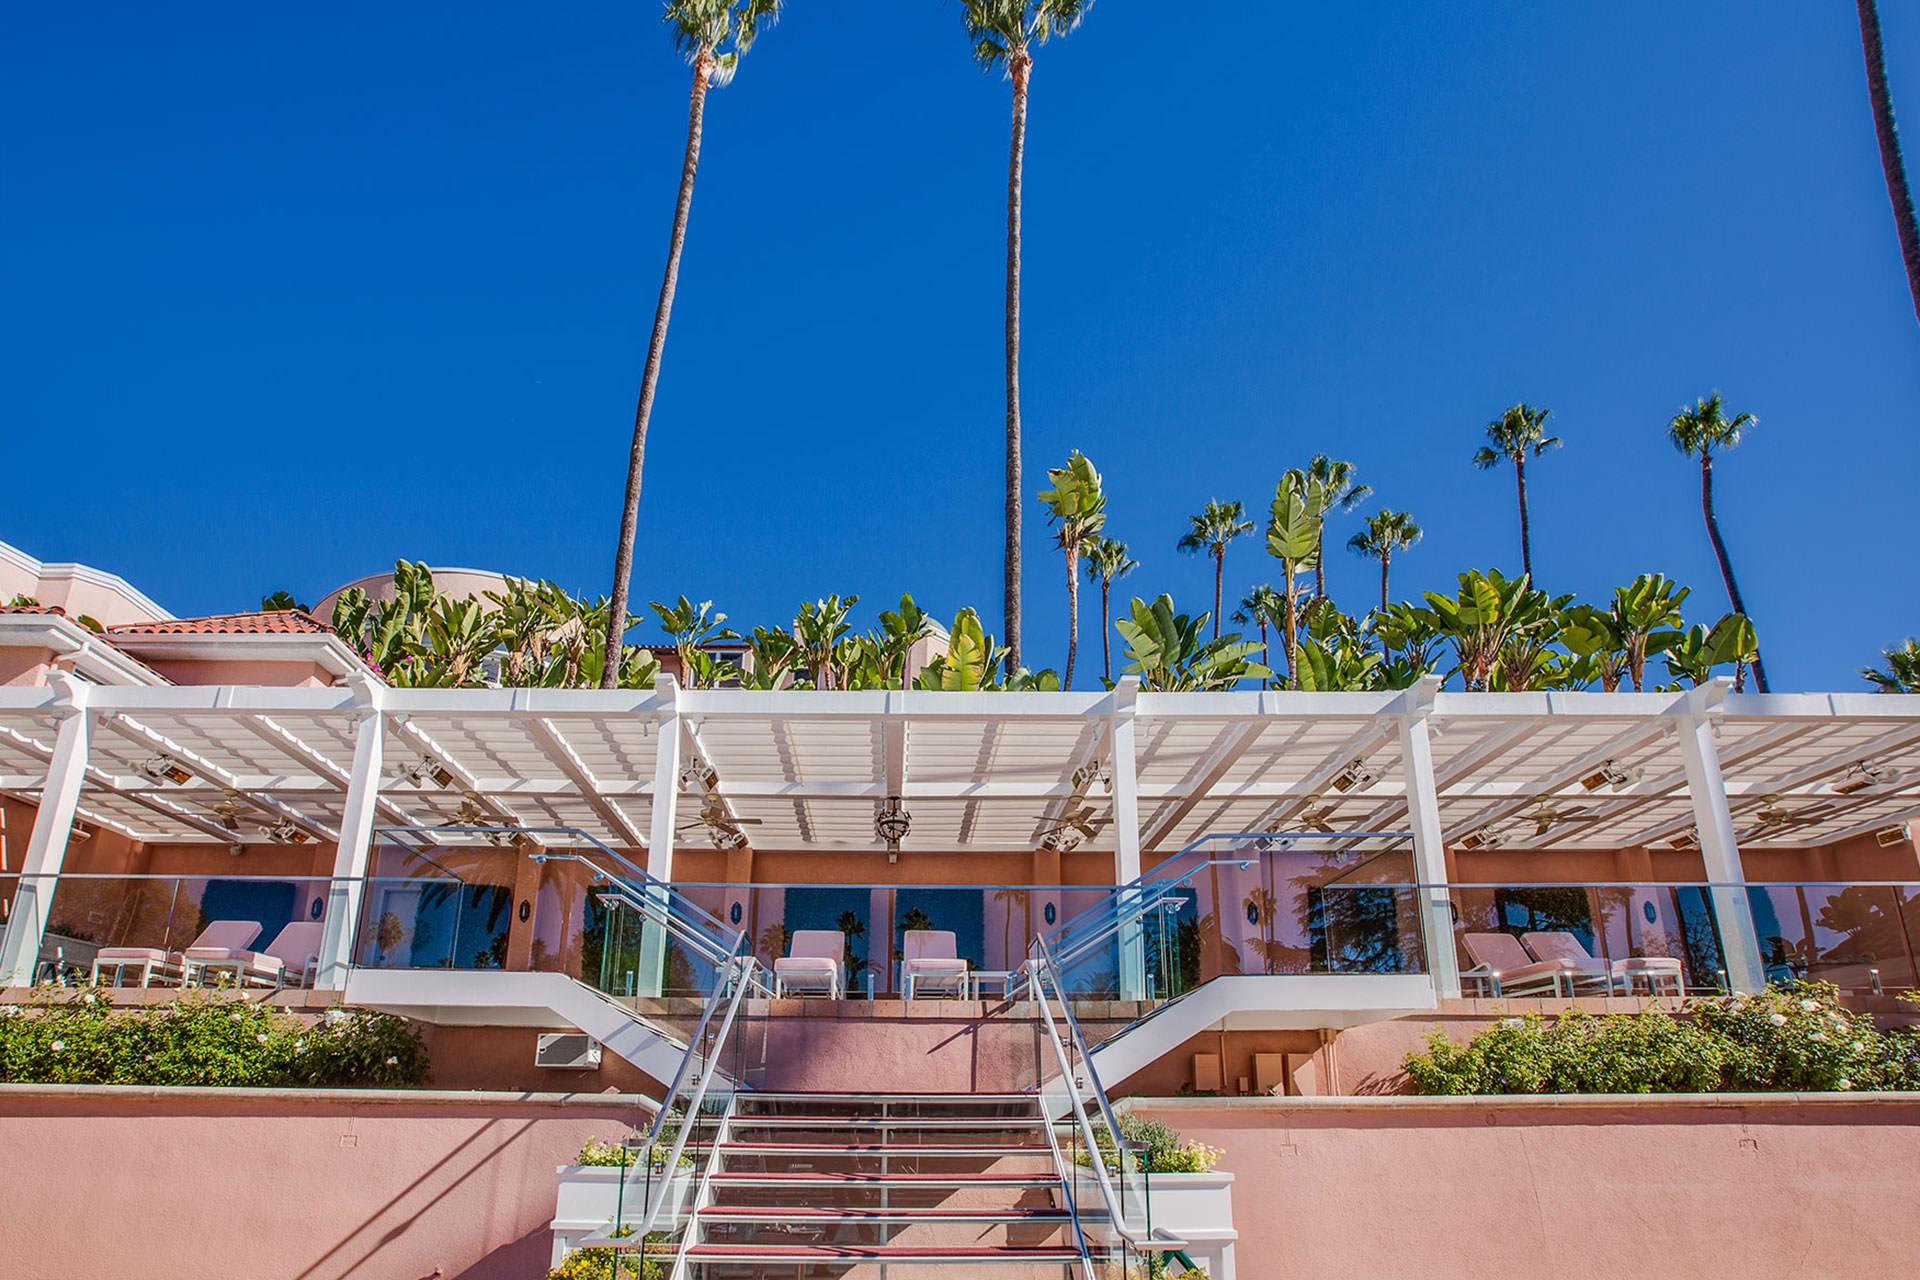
1077, 504
1004, 35
1387, 534
1342, 493
712, 34
1891, 160
1518, 432
1903, 670
1106, 563
1262, 607
1697, 432
1217, 524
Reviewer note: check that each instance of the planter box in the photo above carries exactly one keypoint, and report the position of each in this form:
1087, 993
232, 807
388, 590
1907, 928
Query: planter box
589, 1195
1198, 1207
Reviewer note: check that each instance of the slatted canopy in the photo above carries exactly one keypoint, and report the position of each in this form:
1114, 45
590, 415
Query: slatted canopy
982, 771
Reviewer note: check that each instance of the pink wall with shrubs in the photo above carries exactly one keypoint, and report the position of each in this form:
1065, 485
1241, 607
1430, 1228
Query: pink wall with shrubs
1732, 1187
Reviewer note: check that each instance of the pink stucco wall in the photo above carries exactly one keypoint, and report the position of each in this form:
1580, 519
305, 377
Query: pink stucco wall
192, 1184
1747, 1187
237, 1185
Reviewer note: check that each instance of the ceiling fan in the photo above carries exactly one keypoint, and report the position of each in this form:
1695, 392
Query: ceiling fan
1314, 816
1775, 817
1546, 816
1075, 824
722, 828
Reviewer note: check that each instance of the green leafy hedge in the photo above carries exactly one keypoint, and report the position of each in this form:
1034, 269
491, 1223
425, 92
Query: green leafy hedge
203, 1038
1785, 1039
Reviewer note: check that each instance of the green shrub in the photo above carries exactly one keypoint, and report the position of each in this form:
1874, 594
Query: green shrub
1166, 1151
600, 1154
203, 1038
1788, 1039
600, 1264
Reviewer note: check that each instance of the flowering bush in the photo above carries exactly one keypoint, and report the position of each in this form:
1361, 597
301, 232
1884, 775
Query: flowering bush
613, 1155
203, 1038
600, 1264
1166, 1150
1796, 1038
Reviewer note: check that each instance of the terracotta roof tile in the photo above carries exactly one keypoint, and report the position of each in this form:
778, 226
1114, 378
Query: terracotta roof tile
53, 609
278, 622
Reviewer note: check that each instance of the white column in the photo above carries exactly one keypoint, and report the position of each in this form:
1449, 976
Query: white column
346, 895
1126, 836
1732, 913
666, 815
47, 845
1429, 850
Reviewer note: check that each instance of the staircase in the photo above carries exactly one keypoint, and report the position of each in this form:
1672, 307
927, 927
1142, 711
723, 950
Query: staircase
806, 1186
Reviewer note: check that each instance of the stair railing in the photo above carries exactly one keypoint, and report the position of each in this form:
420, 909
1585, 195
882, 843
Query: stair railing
1128, 1207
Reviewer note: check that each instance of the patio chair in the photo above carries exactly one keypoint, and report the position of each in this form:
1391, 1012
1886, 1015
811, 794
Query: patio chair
1502, 962
291, 959
158, 961
1582, 965
1557, 944
930, 957
815, 961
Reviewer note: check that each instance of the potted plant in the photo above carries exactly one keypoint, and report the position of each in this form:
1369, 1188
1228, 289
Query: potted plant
608, 1186
1187, 1196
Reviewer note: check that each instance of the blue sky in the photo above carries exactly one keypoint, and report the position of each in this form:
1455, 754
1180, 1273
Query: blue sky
289, 292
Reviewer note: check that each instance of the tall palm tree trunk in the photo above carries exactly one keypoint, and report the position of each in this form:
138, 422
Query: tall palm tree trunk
650, 378
1526, 533
1890, 158
1726, 566
1106, 631
1019, 67
1320, 561
1219, 572
1290, 635
1266, 660
1073, 613
1385, 560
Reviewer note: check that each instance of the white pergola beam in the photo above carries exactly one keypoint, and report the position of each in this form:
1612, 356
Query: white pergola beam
1199, 783
353, 854
134, 731
568, 761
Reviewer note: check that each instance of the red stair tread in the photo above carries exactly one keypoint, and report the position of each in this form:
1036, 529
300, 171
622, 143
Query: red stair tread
883, 1253
940, 1179
784, 1213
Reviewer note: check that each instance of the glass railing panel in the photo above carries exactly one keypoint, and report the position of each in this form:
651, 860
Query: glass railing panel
86, 913
1855, 936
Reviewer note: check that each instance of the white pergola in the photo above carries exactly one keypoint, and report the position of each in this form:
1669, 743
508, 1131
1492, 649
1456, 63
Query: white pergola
1139, 774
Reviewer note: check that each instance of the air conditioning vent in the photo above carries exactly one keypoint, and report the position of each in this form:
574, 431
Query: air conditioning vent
568, 1051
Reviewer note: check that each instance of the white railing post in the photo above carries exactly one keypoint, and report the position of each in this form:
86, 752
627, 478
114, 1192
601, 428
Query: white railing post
1126, 835
1719, 850
47, 845
1429, 842
347, 892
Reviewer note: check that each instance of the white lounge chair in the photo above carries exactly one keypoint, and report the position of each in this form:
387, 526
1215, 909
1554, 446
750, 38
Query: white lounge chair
1502, 962
1655, 971
291, 959
815, 961
930, 958
231, 935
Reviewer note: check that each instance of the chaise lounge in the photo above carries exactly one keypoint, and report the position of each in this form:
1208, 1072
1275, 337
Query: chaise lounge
291, 959
226, 935
1655, 971
930, 958
816, 961
1501, 962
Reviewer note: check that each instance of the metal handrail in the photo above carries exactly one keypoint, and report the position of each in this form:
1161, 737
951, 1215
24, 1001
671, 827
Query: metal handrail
1041, 969
699, 1095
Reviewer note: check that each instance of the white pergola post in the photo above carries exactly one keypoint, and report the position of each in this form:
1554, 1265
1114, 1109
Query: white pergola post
47, 845
1429, 843
1719, 850
665, 816
1126, 836
347, 892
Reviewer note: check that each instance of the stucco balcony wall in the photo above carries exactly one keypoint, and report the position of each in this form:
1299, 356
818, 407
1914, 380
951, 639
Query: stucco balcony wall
1687, 1187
